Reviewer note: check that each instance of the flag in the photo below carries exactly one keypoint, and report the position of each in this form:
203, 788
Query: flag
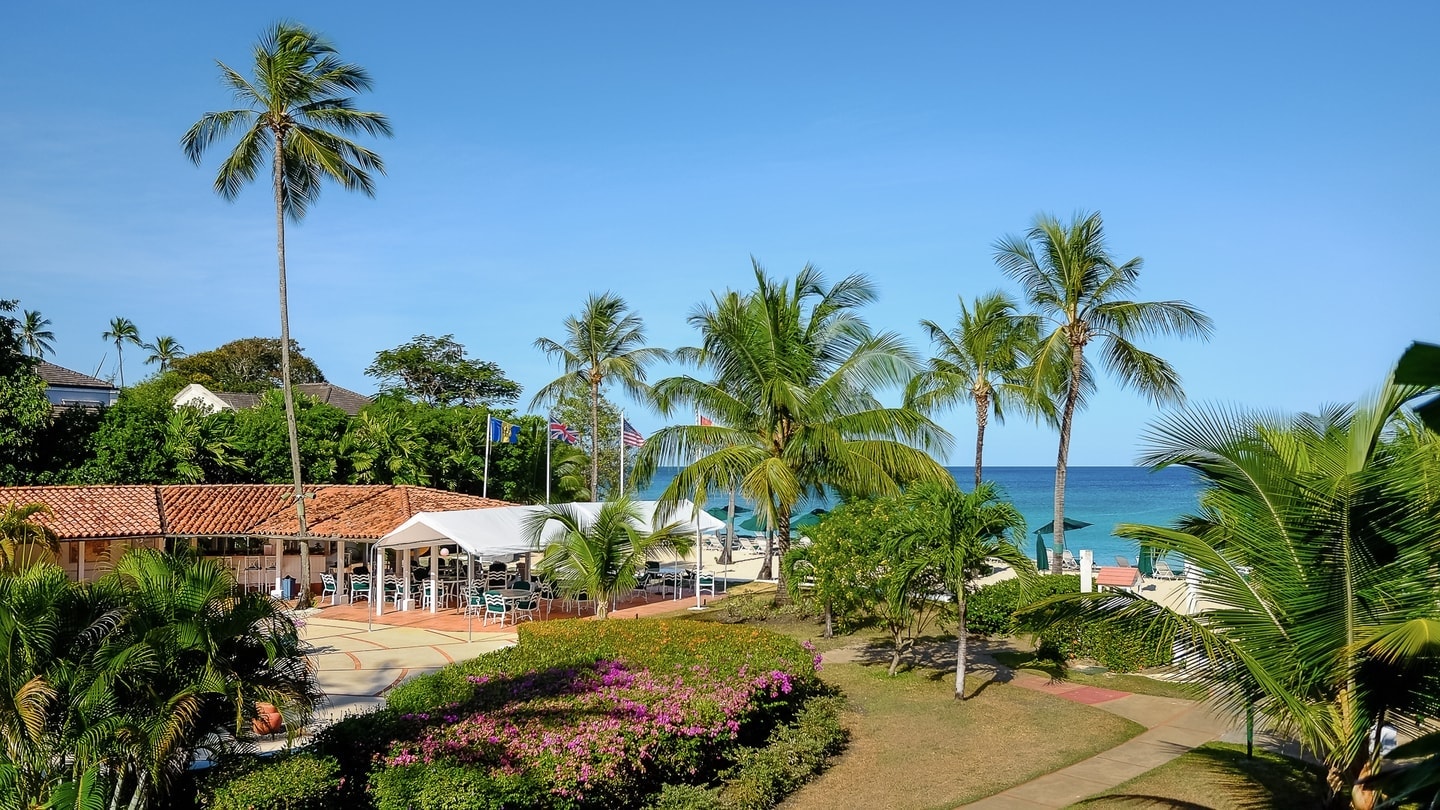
631, 437
502, 432
562, 432
704, 421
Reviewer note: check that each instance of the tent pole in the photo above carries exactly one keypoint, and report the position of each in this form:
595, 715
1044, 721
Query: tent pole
469, 586
434, 580
369, 611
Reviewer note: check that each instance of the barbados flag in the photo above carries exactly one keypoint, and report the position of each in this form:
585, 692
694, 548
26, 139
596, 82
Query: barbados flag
502, 432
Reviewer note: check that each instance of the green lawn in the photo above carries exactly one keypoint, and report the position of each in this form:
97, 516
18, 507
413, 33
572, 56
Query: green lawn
1218, 777
1138, 684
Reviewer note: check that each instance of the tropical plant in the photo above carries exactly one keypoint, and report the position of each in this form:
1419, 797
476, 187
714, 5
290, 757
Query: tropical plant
1314, 550
602, 557
197, 443
606, 341
952, 535
983, 359
437, 372
165, 351
35, 335
384, 447
248, 365
297, 112
793, 370
121, 331
21, 534
1075, 285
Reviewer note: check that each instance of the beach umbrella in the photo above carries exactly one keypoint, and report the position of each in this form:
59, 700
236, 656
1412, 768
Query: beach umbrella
723, 512
810, 518
1070, 526
1146, 562
1042, 553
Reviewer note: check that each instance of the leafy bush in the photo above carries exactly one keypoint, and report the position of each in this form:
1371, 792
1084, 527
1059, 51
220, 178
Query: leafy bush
991, 610
595, 714
794, 754
1114, 646
303, 781
356, 742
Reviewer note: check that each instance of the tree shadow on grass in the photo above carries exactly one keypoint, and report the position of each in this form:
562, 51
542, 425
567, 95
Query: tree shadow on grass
933, 657
1213, 777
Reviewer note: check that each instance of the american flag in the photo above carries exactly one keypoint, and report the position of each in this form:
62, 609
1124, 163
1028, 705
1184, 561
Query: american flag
703, 420
631, 437
562, 432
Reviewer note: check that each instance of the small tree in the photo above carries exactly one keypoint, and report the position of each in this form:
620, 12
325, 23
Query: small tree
602, 558
950, 535
437, 372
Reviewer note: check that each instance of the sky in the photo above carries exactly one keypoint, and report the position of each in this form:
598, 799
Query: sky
1274, 164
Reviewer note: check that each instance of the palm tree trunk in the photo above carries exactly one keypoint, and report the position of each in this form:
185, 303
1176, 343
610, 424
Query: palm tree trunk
303, 530
725, 555
782, 547
595, 440
962, 653
1072, 396
120, 362
982, 417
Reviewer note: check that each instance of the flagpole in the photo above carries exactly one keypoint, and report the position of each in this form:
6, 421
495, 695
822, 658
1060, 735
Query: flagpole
485, 487
548, 441
622, 454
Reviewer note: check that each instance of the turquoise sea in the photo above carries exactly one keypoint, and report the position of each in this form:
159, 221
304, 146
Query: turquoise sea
1102, 496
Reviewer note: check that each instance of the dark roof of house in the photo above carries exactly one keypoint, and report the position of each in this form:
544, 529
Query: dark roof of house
236, 400
358, 511
331, 394
56, 375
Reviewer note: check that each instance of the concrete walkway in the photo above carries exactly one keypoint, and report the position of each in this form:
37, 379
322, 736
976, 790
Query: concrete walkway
1173, 726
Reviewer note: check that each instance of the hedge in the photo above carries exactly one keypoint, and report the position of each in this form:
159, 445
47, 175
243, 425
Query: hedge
991, 611
301, 781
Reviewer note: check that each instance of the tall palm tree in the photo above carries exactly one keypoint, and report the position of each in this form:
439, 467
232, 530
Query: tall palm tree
35, 336
122, 331
297, 111
604, 557
165, 351
952, 534
983, 359
606, 341
1075, 285
384, 447
1314, 556
792, 369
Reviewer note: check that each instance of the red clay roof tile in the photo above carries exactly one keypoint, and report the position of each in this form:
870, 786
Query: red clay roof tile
85, 512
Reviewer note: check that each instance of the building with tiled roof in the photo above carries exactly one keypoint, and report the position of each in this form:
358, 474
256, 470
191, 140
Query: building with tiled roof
329, 393
96, 523
65, 388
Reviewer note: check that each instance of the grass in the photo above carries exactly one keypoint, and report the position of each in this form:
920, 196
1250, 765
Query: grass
1138, 684
912, 744
1217, 776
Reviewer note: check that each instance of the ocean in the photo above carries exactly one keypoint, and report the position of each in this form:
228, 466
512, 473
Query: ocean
1100, 496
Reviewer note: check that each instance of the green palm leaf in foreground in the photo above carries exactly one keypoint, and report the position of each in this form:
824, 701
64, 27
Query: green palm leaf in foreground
792, 374
1317, 541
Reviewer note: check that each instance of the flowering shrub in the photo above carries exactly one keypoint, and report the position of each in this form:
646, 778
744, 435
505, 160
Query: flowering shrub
591, 714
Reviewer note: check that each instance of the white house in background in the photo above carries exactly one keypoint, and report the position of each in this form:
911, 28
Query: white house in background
65, 388
215, 401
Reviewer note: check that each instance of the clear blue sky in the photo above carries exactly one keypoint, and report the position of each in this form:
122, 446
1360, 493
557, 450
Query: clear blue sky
1275, 166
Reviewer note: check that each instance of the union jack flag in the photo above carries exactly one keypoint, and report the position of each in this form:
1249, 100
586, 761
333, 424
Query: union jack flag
562, 432
631, 437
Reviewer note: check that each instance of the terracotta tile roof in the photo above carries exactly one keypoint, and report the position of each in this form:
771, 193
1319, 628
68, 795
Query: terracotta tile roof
86, 512
57, 375
1118, 577
362, 511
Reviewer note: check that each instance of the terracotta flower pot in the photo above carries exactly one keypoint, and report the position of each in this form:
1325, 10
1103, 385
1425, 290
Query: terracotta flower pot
267, 719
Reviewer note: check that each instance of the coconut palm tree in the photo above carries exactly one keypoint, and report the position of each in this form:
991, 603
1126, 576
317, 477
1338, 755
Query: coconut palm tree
121, 331
384, 447
1074, 284
602, 558
22, 535
297, 111
983, 359
793, 368
35, 336
199, 442
952, 534
606, 341
1314, 549
165, 351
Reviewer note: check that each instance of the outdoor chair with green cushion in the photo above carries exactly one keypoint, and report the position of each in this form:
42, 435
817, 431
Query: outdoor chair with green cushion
525, 609
475, 599
495, 606
359, 587
328, 588
519, 585
705, 582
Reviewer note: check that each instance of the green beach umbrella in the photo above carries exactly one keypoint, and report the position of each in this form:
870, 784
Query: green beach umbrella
810, 518
1042, 553
1146, 562
723, 512
1070, 526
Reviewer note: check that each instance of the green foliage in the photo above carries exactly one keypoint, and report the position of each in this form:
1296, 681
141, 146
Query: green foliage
24, 409
1116, 647
437, 372
793, 755
248, 365
262, 441
991, 609
129, 445
447, 786
300, 781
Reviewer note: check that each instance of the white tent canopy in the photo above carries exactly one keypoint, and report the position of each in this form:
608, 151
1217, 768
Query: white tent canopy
501, 530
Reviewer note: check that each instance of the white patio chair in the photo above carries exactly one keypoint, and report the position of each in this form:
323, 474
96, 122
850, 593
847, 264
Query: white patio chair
495, 607
328, 588
704, 583
359, 587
